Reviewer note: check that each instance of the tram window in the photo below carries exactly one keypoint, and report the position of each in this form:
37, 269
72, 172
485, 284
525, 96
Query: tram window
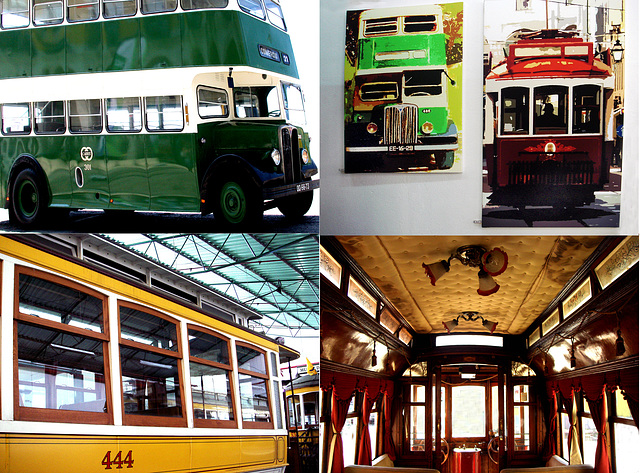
274, 13
85, 116
468, 411
589, 436
123, 114
586, 109
46, 12
443, 416
349, 435
201, 4
49, 117
253, 102
515, 111
550, 109
423, 83
212, 103
253, 7
15, 13
294, 104
373, 427
565, 425
157, 6
278, 416
625, 434
60, 370
118, 8
164, 113
521, 431
254, 396
147, 329
16, 119
82, 10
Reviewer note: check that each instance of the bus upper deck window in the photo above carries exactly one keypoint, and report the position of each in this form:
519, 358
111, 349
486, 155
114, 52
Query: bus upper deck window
46, 12
515, 111
202, 4
550, 112
164, 113
118, 8
586, 109
83, 10
420, 24
157, 6
252, 7
15, 14
16, 119
212, 103
274, 12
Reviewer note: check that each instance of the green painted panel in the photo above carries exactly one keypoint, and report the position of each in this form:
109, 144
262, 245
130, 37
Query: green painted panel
16, 53
437, 116
84, 47
127, 168
94, 193
208, 38
160, 44
121, 45
434, 45
48, 51
171, 163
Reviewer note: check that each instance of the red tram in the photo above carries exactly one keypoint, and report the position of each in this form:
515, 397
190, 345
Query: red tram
549, 122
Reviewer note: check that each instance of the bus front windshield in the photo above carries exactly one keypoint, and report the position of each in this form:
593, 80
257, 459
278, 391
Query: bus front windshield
294, 104
256, 102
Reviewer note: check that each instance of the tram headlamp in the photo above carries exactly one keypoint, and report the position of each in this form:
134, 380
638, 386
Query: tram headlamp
277, 158
550, 147
426, 128
372, 128
305, 156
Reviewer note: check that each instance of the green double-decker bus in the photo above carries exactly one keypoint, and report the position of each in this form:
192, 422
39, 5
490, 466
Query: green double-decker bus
158, 105
399, 116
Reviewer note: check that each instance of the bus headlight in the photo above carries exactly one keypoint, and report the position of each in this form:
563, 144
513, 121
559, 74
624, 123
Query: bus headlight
426, 128
275, 155
305, 156
372, 128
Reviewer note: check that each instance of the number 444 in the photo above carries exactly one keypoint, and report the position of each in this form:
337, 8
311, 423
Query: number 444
117, 460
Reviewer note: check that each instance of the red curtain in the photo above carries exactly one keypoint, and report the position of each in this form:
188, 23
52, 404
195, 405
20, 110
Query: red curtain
597, 407
389, 447
339, 411
551, 447
365, 455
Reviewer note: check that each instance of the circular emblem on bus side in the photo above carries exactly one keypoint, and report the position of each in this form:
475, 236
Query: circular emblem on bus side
86, 153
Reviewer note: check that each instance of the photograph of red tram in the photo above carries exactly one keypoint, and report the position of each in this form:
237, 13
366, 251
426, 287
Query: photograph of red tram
552, 110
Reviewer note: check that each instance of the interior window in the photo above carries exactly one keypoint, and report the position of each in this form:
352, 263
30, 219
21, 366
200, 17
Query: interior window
468, 411
550, 109
515, 111
49, 117
15, 13
16, 119
212, 103
586, 109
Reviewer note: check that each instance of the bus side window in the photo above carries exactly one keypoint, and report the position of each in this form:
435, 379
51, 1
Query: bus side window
515, 111
157, 6
49, 118
16, 119
201, 4
15, 13
164, 113
586, 109
82, 10
212, 103
46, 12
85, 116
123, 115
118, 8
252, 7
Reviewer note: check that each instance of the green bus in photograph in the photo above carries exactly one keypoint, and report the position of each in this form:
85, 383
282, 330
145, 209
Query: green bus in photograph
154, 105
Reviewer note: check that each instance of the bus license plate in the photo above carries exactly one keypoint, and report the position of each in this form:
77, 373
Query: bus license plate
305, 186
400, 148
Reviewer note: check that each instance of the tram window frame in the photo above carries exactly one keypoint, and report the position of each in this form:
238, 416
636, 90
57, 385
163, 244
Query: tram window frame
220, 365
597, 107
12, 14
248, 6
163, 129
251, 374
413, 408
117, 4
520, 111
527, 409
613, 400
224, 106
53, 18
145, 3
132, 113
7, 131
560, 122
23, 318
352, 413
84, 7
585, 414
150, 419
60, 127
85, 130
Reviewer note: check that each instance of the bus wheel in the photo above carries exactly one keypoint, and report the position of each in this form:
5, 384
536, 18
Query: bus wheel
296, 206
28, 198
238, 203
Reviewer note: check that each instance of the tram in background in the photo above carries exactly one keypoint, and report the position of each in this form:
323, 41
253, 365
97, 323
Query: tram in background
190, 106
510, 353
102, 372
399, 117
549, 119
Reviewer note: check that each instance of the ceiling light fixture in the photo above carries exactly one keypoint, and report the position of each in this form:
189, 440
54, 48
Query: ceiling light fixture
491, 263
470, 317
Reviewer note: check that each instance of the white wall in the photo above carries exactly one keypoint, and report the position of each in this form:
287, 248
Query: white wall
434, 203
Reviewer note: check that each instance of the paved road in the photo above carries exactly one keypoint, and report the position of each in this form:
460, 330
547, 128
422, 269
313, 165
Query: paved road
87, 221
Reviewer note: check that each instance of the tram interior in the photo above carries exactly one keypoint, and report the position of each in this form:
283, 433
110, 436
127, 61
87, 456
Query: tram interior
479, 354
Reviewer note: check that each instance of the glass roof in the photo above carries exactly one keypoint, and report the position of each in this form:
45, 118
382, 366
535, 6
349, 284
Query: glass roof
275, 275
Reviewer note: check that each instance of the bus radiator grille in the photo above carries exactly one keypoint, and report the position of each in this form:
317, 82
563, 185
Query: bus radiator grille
290, 154
401, 124
550, 172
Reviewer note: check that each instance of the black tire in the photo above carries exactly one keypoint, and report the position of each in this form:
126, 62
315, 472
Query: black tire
295, 206
28, 199
238, 202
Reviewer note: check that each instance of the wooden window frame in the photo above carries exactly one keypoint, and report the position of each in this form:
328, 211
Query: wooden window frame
215, 423
249, 424
143, 420
56, 415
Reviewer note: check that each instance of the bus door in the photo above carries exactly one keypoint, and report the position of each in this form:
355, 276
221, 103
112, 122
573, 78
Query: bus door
85, 149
